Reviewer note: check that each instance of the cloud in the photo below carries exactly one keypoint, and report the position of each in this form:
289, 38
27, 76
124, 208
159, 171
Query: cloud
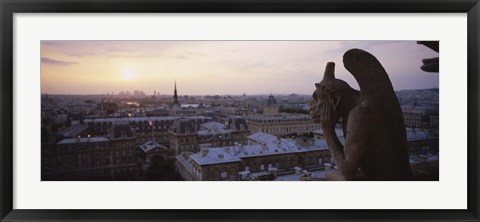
257, 65
196, 54
253, 66
181, 57
56, 62
189, 55
115, 49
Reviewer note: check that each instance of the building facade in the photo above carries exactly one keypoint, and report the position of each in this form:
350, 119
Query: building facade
187, 135
77, 159
92, 158
282, 125
422, 141
142, 126
251, 162
183, 136
123, 142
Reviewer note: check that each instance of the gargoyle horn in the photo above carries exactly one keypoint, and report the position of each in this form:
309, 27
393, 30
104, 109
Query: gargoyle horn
329, 71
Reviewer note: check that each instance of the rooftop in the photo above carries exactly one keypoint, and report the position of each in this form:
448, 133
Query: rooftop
184, 125
297, 176
338, 131
212, 125
143, 118
236, 123
150, 146
121, 129
282, 116
271, 100
418, 134
73, 131
235, 153
83, 140
263, 138
213, 131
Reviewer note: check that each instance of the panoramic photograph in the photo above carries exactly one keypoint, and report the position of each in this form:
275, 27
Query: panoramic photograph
239, 110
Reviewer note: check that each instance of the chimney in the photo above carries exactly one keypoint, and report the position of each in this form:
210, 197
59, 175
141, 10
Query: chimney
264, 147
204, 152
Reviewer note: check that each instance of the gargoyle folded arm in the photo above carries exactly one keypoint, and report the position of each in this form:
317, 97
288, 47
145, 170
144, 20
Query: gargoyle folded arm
349, 157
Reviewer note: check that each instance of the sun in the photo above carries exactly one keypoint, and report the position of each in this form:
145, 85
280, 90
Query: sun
128, 75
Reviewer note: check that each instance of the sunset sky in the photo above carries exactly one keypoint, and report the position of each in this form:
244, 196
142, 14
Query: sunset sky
218, 67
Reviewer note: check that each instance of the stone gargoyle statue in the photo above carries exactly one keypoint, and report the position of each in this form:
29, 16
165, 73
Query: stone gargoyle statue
373, 125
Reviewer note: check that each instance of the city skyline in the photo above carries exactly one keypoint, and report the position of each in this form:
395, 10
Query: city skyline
218, 67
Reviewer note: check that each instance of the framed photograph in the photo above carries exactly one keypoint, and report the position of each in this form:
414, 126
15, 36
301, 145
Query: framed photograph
252, 111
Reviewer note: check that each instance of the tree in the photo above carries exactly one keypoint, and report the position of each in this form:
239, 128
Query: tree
160, 169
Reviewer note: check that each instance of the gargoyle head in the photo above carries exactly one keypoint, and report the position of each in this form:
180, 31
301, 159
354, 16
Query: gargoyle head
327, 96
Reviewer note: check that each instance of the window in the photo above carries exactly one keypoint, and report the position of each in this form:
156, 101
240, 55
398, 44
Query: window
223, 173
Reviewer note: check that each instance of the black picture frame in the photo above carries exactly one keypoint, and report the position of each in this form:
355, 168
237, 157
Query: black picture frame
9, 7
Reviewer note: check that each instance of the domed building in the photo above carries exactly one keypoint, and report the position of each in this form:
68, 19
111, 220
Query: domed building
280, 124
272, 107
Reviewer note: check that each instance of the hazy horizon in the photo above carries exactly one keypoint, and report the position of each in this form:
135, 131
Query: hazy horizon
180, 95
218, 67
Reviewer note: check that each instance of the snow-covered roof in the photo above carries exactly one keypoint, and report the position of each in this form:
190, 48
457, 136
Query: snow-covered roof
184, 158
235, 153
418, 134
213, 131
297, 176
214, 155
263, 138
83, 140
151, 145
73, 130
320, 143
212, 125
338, 131
143, 118
282, 116
189, 105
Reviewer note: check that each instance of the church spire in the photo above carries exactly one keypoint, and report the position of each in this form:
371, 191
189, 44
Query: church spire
175, 96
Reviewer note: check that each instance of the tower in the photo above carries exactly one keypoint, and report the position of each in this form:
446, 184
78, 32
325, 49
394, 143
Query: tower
272, 107
175, 109
175, 96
